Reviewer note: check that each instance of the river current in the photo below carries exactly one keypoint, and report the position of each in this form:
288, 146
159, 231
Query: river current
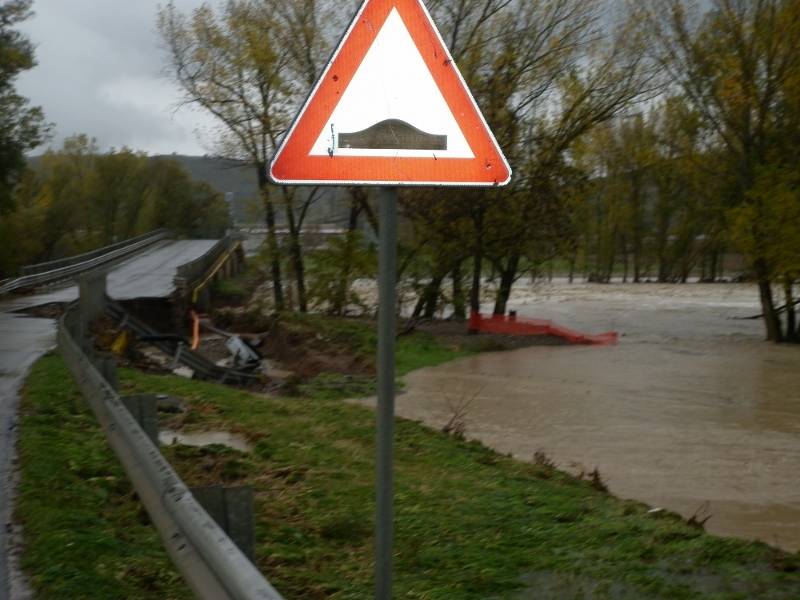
692, 409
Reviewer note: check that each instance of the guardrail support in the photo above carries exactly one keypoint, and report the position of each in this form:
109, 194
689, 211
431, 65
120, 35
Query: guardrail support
232, 509
92, 302
106, 364
213, 566
144, 408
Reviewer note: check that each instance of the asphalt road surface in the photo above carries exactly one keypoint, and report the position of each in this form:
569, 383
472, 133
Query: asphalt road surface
23, 340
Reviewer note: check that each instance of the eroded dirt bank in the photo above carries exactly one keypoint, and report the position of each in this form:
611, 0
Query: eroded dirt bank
691, 407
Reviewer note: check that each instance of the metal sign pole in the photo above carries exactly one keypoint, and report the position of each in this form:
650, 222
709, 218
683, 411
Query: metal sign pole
385, 430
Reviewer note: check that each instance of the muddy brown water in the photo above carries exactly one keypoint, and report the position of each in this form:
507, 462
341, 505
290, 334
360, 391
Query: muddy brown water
691, 407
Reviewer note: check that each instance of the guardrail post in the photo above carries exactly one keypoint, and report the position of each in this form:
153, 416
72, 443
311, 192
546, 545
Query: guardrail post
144, 408
180, 304
92, 302
232, 509
213, 566
107, 366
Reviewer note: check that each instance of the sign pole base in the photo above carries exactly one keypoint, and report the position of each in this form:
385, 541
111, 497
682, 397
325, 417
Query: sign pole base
387, 278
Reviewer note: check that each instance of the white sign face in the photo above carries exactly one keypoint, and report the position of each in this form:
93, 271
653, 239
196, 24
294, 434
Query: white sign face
393, 82
390, 108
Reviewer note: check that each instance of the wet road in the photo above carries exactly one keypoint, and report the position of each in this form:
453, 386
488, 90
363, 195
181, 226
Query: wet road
691, 407
23, 340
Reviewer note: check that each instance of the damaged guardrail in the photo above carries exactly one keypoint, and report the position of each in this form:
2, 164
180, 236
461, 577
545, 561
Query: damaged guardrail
212, 565
196, 274
79, 258
96, 259
202, 367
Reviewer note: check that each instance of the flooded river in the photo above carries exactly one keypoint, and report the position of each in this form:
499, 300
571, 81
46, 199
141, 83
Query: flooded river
691, 407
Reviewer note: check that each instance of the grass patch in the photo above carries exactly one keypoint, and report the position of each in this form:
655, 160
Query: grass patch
86, 533
470, 522
237, 290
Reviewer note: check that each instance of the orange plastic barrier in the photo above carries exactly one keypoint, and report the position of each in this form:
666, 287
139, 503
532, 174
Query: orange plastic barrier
195, 330
512, 325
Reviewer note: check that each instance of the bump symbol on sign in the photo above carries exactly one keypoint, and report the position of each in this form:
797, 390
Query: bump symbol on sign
393, 134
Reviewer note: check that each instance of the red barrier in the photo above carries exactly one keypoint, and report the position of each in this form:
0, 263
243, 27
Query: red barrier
512, 325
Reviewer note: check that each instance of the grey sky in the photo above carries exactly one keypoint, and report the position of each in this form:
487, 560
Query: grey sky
100, 72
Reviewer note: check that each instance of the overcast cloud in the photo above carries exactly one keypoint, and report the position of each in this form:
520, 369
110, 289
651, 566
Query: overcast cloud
100, 72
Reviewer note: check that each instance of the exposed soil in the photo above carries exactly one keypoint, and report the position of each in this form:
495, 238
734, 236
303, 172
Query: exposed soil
306, 353
297, 350
302, 350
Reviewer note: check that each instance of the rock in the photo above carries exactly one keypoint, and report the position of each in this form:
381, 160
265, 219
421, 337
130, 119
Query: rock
183, 372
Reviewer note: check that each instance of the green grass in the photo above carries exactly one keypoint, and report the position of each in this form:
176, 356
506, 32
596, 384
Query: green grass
470, 522
236, 290
86, 534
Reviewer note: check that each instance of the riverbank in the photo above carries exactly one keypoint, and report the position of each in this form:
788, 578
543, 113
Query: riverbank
692, 408
471, 523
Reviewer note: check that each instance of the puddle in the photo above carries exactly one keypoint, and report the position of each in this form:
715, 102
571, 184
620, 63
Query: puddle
204, 438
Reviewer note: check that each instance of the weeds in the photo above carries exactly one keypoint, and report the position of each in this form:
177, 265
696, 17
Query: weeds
456, 425
700, 516
596, 481
541, 459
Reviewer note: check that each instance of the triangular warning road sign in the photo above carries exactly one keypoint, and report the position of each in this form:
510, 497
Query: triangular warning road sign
391, 108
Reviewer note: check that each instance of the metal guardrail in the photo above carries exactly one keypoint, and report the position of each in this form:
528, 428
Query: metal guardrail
210, 562
61, 273
203, 368
191, 273
79, 258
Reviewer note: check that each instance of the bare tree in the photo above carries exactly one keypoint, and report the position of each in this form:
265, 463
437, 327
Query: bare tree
250, 64
733, 64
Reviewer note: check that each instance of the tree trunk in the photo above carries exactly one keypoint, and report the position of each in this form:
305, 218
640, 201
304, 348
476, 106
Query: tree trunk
703, 268
432, 291
340, 301
612, 258
428, 299
475, 291
625, 261
791, 316
299, 268
637, 255
508, 276
573, 259
771, 319
296, 252
459, 304
638, 228
272, 238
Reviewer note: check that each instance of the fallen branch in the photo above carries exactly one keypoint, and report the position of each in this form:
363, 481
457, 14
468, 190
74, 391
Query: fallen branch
779, 310
411, 326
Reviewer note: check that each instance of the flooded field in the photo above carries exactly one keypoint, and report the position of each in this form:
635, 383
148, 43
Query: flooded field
691, 408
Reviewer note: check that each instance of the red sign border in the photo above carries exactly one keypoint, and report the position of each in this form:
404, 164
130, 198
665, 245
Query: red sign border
292, 164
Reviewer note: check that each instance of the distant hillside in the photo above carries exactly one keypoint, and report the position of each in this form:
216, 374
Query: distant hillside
240, 185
